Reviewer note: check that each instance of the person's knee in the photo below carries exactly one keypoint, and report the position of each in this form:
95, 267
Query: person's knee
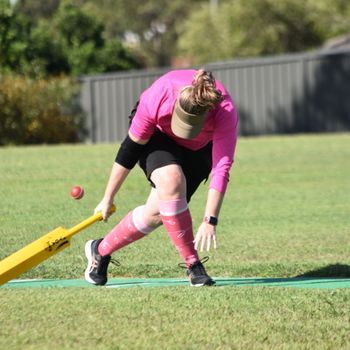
152, 217
145, 219
170, 181
152, 220
155, 220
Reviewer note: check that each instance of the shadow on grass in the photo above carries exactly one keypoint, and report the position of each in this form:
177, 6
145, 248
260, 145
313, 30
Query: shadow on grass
330, 276
333, 271
297, 282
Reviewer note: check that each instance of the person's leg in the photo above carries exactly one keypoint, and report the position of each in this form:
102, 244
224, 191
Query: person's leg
134, 226
171, 187
176, 217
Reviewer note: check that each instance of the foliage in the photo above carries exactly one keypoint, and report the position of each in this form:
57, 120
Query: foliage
37, 9
38, 111
204, 39
258, 27
152, 33
83, 39
14, 37
153, 26
71, 41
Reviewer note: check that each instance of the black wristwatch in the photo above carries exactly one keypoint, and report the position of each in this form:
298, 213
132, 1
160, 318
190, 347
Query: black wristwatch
211, 220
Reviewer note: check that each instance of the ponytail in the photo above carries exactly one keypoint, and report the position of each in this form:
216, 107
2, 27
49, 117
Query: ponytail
201, 95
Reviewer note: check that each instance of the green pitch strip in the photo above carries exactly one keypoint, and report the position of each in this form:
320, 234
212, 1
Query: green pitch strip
323, 283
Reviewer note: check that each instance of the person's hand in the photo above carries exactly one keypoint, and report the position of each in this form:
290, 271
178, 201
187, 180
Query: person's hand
104, 207
205, 236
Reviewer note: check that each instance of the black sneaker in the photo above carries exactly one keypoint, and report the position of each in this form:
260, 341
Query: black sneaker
197, 274
96, 271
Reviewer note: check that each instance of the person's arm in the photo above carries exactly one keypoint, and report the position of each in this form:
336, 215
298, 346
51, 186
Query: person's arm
116, 179
127, 157
214, 201
224, 143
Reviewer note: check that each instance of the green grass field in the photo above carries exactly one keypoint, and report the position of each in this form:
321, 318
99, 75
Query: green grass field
286, 214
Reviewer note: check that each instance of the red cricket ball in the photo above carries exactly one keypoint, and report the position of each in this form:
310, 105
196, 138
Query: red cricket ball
77, 192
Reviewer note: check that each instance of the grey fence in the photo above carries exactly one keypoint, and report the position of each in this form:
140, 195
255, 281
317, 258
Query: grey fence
282, 94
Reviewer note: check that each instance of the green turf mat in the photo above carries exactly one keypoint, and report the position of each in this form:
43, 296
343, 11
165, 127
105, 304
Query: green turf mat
324, 283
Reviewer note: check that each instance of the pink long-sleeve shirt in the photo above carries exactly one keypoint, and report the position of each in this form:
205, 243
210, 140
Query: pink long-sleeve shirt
156, 106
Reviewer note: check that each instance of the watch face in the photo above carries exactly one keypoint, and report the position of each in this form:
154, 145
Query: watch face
212, 220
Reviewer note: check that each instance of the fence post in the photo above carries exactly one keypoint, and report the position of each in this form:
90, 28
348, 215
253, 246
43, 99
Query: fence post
87, 100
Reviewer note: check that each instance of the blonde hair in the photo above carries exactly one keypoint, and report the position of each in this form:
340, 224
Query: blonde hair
201, 95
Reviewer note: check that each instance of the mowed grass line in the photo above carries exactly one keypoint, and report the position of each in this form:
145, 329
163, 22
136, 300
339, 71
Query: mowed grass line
286, 213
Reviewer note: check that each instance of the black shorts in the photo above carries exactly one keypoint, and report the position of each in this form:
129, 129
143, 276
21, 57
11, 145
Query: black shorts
161, 150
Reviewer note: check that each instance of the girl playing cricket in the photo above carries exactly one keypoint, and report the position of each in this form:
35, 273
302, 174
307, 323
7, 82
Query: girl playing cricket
182, 130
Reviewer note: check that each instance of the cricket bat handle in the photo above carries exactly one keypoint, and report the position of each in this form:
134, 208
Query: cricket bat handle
89, 221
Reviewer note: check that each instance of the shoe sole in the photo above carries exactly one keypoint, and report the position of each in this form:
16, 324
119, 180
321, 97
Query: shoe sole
88, 257
210, 284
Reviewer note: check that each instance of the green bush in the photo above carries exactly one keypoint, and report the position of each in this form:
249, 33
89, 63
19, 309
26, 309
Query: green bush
71, 41
39, 111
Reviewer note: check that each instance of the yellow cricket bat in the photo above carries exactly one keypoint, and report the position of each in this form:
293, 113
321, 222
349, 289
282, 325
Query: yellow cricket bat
42, 249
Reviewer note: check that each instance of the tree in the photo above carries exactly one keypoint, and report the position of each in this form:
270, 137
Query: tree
80, 35
14, 37
72, 41
87, 49
152, 25
242, 28
37, 9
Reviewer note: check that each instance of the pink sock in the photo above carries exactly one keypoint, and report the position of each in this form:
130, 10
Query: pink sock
130, 229
177, 221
